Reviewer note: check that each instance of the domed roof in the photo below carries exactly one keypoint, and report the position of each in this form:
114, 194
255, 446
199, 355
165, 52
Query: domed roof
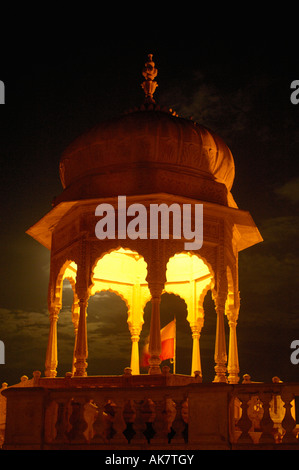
148, 151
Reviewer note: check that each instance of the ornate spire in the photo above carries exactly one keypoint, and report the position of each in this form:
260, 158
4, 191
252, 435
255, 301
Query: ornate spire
149, 85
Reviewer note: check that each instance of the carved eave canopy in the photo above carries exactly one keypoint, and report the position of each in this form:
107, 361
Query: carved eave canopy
246, 233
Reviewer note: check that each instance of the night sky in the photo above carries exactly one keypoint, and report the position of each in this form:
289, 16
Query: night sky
237, 83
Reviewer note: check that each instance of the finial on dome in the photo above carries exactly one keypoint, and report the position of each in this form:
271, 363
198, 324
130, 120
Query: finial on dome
149, 85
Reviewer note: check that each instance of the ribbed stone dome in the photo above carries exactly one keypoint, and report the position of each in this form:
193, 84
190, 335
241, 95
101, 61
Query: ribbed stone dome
148, 151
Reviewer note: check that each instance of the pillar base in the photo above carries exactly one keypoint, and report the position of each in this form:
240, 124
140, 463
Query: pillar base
80, 369
220, 376
154, 368
51, 373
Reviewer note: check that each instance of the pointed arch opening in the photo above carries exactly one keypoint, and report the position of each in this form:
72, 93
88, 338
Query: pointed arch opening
108, 334
189, 277
62, 308
172, 307
118, 274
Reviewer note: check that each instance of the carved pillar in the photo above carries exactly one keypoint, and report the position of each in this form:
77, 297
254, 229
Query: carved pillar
81, 351
75, 320
232, 313
156, 278
51, 355
135, 333
155, 335
233, 359
83, 284
196, 330
220, 355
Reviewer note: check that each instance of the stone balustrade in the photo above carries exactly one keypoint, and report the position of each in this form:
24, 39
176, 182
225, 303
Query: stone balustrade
150, 416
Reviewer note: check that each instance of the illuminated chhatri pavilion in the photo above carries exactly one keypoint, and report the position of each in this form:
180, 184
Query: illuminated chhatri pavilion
153, 157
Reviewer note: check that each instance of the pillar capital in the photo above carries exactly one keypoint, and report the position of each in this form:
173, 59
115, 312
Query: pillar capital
135, 332
156, 289
83, 294
54, 312
232, 314
135, 335
196, 330
196, 326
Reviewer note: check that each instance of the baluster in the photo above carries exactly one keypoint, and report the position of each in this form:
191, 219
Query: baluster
99, 424
62, 421
178, 425
129, 415
244, 423
288, 422
139, 423
266, 424
170, 410
77, 421
185, 416
108, 416
51, 419
148, 412
160, 424
234, 417
119, 424
90, 415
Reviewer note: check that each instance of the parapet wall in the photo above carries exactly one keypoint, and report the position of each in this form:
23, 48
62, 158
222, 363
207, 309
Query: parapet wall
192, 416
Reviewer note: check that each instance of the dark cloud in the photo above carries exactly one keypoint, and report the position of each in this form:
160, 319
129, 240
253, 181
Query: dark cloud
212, 104
24, 334
289, 191
269, 272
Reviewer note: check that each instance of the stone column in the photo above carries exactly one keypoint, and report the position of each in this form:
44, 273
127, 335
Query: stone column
196, 330
220, 345
82, 288
155, 334
81, 352
51, 355
135, 334
233, 359
75, 320
156, 278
